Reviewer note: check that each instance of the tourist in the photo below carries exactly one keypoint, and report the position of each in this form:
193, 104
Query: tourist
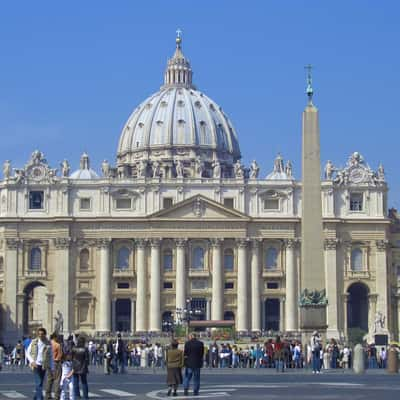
120, 354
279, 354
80, 364
40, 359
316, 352
193, 354
54, 377
67, 382
382, 358
175, 363
1, 355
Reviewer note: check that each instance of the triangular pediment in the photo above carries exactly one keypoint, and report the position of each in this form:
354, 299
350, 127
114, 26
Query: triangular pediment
199, 207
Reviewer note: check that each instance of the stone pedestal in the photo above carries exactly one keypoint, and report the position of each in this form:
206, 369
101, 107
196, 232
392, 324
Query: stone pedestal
313, 317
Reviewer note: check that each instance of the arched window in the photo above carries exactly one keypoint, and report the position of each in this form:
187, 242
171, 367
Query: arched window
84, 260
198, 258
36, 259
123, 258
1, 264
271, 258
228, 260
356, 260
167, 260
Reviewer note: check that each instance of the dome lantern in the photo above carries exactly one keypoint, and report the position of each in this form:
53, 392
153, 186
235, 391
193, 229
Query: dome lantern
178, 72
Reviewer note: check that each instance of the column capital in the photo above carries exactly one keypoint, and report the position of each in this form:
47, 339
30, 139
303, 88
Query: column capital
21, 298
242, 242
141, 243
182, 242
50, 298
216, 242
62, 243
331, 243
381, 245
373, 297
13, 243
291, 243
255, 243
103, 243
155, 242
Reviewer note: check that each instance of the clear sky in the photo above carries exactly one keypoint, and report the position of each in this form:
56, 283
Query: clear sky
71, 73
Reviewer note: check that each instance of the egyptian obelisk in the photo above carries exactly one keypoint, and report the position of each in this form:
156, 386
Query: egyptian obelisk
312, 300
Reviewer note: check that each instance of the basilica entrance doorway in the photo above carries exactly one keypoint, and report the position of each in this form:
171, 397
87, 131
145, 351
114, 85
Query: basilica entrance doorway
123, 315
357, 307
35, 308
272, 315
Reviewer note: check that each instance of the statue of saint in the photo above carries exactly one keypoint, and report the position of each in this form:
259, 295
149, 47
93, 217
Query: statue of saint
238, 169
381, 173
216, 169
288, 169
59, 326
105, 168
199, 167
19, 175
179, 168
156, 169
7, 169
379, 322
329, 170
65, 168
254, 170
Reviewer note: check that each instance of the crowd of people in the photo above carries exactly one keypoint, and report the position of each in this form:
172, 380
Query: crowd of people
62, 365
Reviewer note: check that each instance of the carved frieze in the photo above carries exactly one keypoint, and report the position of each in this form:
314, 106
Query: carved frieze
61, 243
13, 244
331, 243
381, 245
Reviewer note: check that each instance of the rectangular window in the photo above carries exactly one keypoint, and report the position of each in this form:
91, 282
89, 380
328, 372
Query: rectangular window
356, 202
229, 285
199, 284
168, 285
271, 204
36, 200
85, 203
228, 202
167, 202
123, 204
123, 285
272, 285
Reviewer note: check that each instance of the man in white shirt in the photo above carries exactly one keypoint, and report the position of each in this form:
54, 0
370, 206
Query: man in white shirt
39, 355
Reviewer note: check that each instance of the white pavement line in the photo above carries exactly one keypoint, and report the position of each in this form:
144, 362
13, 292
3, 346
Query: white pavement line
204, 393
91, 394
119, 393
12, 394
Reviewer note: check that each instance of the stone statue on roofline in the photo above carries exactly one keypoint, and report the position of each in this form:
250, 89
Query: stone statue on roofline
7, 169
254, 170
329, 170
65, 168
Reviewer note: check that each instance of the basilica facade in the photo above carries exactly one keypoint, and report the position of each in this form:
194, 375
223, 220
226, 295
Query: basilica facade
179, 224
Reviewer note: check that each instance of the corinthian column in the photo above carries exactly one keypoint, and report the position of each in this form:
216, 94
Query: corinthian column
291, 287
62, 299
141, 286
242, 292
180, 288
12, 324
155, 312
382, 282
217, 311
331, 277
104, 310
255, 287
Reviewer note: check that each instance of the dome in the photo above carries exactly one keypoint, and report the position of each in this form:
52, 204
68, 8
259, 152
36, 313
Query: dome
178, 122
84, 171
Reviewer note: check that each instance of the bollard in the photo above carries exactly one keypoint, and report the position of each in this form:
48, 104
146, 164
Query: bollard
358, 359
392, 361
326, 361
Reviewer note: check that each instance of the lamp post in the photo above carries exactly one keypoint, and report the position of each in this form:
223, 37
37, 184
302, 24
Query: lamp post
187, 314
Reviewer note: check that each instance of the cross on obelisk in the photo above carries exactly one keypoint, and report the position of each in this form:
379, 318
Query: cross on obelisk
309, 89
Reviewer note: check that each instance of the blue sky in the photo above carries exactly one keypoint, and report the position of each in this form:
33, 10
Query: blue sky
72, 72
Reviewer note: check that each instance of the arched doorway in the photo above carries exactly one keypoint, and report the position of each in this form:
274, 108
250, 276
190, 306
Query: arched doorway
167, 322
35, 307
357, 307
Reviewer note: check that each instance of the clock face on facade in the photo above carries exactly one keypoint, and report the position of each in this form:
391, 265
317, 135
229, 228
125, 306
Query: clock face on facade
37, 173
357, 175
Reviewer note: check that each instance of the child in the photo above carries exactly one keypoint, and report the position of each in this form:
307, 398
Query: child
66, 382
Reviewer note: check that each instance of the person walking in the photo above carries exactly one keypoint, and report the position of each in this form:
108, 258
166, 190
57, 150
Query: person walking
54, 377
193, 357
80, 365
119, 355
174, 362
40, 359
